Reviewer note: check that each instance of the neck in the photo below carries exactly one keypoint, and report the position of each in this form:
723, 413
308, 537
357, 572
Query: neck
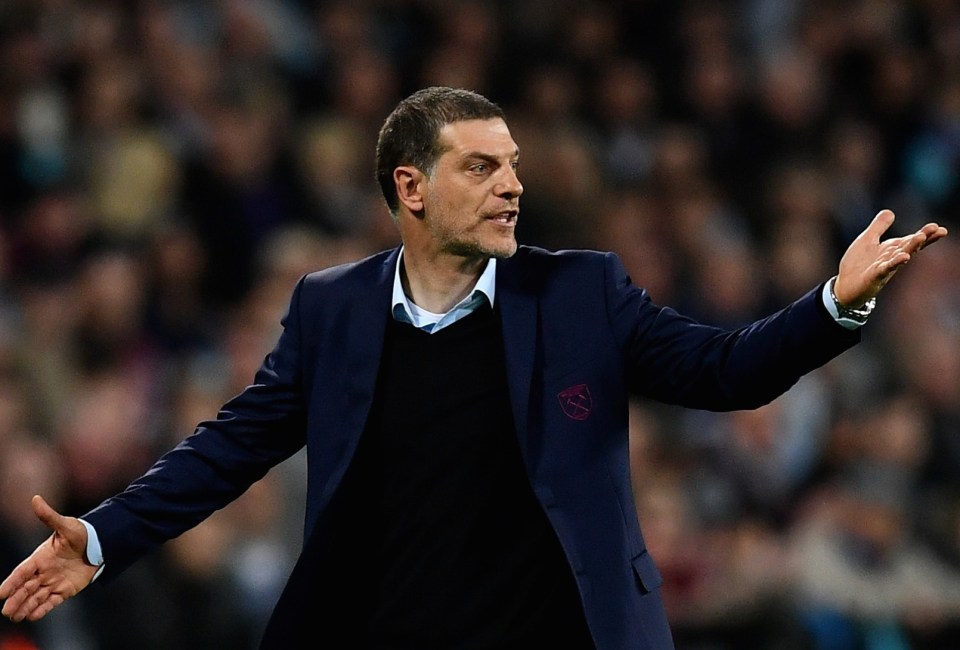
440, 282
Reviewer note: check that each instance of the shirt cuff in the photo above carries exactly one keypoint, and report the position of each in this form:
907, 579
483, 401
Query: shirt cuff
847, 323
94, 551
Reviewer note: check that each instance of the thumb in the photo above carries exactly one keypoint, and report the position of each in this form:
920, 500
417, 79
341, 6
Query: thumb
880, 224
50, 517
68, 530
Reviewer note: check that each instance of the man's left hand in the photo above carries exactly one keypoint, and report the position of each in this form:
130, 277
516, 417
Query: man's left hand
870, 263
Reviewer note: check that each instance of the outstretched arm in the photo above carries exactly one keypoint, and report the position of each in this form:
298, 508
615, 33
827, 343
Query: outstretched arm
54, 572
869, 263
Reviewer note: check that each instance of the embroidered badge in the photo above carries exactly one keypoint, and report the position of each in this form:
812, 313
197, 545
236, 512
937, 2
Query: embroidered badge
576, 402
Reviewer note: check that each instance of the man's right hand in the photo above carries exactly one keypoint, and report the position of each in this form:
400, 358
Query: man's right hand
55, 571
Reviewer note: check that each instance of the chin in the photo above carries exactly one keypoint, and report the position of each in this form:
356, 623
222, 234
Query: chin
501, 250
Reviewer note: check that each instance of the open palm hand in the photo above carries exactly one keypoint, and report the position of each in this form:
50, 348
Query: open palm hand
54, 572
869, 263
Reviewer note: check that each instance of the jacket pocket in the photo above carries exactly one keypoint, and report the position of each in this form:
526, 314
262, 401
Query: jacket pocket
646, 571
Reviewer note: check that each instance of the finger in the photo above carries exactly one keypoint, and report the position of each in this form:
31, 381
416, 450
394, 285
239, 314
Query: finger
30, 605
934, 232
18, 578
891, 265
45, 608
11, 604
880, 224
14, 604
10, 585
914, 243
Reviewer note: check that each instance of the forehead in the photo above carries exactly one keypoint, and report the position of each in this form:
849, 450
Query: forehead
489, 137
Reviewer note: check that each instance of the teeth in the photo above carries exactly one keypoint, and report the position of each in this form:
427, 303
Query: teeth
505, 218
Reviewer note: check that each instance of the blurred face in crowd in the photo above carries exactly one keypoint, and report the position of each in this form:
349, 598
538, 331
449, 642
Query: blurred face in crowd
470, 199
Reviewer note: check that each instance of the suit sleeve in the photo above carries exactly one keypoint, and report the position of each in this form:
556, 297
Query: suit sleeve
676, 360
254, 431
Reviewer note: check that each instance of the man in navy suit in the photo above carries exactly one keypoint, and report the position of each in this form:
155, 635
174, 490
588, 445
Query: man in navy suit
463, 403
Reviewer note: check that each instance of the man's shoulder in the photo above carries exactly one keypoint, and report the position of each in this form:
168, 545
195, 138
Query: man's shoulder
548, 263
366, 272
535, 255
533, 270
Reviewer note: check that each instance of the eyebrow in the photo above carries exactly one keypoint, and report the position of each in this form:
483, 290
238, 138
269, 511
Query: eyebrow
488, 157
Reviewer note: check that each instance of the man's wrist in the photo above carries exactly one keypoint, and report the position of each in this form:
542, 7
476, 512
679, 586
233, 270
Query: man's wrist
848, 317
94, 552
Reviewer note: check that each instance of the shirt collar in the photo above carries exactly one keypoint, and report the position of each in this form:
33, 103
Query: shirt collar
402, 305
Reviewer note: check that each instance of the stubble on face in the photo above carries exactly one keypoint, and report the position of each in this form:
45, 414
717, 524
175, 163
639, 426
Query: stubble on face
472, 245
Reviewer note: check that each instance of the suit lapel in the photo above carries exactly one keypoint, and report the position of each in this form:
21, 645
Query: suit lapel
518, 314
367, 328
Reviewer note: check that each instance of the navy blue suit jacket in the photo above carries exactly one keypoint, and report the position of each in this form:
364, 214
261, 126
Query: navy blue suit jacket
579, 339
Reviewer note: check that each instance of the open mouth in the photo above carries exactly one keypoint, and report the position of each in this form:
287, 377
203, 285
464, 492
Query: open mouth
506, 218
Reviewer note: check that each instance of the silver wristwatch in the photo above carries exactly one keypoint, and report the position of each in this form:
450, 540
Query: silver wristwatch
856, 314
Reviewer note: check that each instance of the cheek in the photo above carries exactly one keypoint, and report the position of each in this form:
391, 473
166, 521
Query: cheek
454, 208
455, 212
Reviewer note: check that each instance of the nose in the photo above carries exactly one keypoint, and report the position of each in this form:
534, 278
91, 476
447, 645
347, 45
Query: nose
509, 186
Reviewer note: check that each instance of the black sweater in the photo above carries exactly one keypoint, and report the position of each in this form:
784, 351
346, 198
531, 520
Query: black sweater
461, 555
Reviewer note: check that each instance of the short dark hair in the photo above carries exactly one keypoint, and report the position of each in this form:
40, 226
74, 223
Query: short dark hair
411, 133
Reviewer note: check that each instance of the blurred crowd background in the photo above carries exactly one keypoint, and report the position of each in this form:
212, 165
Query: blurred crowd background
168, 169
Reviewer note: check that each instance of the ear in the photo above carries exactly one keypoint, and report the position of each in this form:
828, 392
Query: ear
409, 183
